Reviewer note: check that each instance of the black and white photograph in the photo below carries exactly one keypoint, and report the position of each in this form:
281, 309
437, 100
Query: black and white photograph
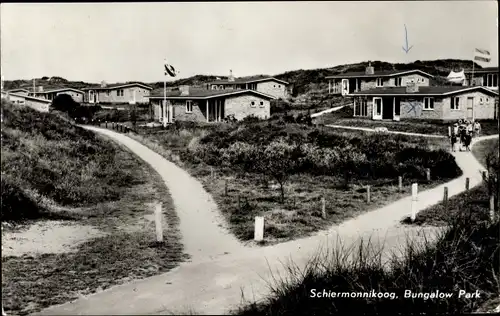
250, 158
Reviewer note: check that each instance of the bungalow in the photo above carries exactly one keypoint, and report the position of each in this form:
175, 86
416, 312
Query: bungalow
76, 94
119, 93
42, 105
204, 105
486, 77
19, 91
436, 102
265, 84
350, 82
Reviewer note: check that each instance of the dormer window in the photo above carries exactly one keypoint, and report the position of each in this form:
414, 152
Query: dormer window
380, 82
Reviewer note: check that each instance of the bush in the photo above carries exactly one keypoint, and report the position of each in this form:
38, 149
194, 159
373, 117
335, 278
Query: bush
15, 204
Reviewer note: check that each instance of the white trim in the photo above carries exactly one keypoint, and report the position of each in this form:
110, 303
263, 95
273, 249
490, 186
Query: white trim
120, 87
377, 84
381, 75
374, 107
454, 107
424, 108
189, 103
426, 94
251, 81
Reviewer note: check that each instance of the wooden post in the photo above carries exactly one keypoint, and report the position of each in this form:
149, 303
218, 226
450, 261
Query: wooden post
106, 124
414, 193
211, 172
225, 187
323, 208
158, 222
428, 174
259, 228
467, 180
400, 183
445, 195
368, 197
485, 175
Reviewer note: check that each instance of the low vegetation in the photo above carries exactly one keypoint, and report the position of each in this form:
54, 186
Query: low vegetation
344, 117
55, 174
465, 259
283, 170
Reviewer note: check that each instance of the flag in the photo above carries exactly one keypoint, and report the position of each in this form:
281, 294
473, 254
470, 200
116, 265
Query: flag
169, 70
456, 77
482, 55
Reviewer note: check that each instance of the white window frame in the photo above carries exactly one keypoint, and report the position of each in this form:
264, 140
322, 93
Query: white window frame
252, 104
398, 81
455, 106
261, 104
221, 87
427, 107
381, 80
481, 100
189, 106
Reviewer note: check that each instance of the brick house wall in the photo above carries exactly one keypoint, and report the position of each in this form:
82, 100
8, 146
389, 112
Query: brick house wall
413, 107
241, 106
484, 106
37, 105
111, 95
371, 83
274, 88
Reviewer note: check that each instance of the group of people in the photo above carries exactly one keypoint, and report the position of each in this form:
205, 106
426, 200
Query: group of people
462, 132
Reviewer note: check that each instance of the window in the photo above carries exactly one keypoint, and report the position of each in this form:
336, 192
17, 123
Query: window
487, 100
189, 106
252, 104
428, 103
361, 107
119, 92
490, 80
279, 86
380, 82
107, 93
274, 86
261, 104
398, 82
455, 103
214, 87
481, 100
221, 87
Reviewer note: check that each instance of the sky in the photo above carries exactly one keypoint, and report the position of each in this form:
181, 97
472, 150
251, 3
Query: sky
117, 42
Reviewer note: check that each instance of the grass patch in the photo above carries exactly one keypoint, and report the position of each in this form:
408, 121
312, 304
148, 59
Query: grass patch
483, 148
344, 117
199, 149
126, 252
465, 257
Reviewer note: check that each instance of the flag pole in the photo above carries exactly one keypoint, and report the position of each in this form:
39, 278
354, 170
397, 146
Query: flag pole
164, 97
472, 76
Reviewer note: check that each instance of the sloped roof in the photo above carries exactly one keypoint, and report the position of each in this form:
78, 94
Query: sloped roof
118, 85
58, 90
483, 70
382, 73
422, 91
204, 94
27, 97
251, 79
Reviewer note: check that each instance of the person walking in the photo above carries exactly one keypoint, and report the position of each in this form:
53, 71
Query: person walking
477, 128
470, 127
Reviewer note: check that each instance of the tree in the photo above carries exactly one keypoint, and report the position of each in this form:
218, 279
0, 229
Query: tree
279, 160
64, 103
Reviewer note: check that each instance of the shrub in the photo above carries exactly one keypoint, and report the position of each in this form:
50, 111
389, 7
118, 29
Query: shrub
15, 204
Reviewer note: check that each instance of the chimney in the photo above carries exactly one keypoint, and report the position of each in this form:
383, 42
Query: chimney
411, 87
40, 88
231, 77
369, 70
103, 84
184, 89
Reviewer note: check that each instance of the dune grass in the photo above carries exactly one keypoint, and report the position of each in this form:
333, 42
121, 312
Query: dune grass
61, 171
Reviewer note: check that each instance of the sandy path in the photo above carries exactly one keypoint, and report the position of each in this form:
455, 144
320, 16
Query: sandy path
215, 286
200, 221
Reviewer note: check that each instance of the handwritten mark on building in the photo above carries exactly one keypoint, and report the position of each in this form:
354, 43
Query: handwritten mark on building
406, 48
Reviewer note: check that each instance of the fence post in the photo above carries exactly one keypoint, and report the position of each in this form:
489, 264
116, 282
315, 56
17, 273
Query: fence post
259, 228
106, 124
428, 174
211, 172
158, 222
368, 195
400, 183
323, 208
445, 195
414, 194
467, 180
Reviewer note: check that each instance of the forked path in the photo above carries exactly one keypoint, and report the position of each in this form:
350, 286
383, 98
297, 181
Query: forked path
216, 286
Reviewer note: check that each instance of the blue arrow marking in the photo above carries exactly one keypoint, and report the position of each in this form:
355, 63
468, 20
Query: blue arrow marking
406, 49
